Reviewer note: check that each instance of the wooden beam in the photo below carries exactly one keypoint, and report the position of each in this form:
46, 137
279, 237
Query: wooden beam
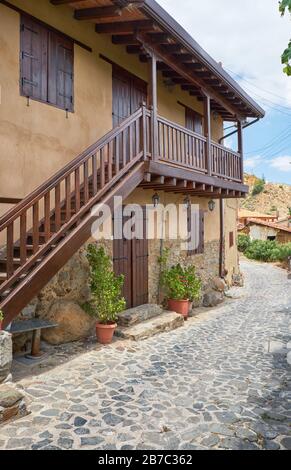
161, 52
128, 39
64, 2
97, 13
153, 104
124, 27
240, 147
207, 131
133, 49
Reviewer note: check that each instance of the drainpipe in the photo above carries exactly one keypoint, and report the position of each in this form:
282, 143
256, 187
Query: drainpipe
236, 131
221, 238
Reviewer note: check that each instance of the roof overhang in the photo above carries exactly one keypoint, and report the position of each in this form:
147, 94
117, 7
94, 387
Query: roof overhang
143, 26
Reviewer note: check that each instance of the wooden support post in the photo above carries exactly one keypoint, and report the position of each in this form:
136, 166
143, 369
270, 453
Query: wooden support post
240, 148
207, 131
153, 104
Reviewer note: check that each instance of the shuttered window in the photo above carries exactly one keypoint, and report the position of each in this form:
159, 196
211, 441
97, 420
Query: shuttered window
193, 121
199, 231
47, 61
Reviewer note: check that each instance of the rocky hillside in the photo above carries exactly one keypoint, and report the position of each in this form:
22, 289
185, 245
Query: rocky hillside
273, 198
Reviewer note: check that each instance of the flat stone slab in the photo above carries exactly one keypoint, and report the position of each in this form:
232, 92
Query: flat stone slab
167, 321
139, 314
12, 404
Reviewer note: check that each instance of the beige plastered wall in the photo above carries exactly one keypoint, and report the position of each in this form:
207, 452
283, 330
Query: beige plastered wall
37, 140
230, 225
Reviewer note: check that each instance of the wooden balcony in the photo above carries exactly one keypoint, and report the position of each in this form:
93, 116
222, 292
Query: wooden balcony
180, 153
183, 148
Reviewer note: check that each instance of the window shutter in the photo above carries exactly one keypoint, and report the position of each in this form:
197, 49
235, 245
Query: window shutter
200, 231
193, 121
61, 73
33, 59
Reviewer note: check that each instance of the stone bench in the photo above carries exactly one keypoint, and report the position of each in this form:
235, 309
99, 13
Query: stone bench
35, 326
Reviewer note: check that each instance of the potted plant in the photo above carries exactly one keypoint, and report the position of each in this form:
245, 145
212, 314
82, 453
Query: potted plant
106, 301
1, 319
181, 285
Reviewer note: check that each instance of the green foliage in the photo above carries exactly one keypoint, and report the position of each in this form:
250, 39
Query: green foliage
1, 316
286, 56
289, 211
258, 186
268, 250
243, 242
106, 287
179, 283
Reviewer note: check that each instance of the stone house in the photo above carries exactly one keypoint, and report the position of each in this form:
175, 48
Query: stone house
264, 230
107, 98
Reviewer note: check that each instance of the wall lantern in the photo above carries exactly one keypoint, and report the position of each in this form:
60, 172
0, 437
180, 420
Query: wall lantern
211, 205
156, 200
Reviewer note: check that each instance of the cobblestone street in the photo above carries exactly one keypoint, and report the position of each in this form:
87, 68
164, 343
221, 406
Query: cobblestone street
220, 382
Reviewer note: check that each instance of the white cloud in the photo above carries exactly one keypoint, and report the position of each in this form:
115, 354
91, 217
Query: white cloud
248, 37
253, 162
282, 164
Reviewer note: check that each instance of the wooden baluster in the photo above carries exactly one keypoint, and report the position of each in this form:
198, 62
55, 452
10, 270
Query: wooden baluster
35, 227
102, 169
130, 143
10, 250
110, 161
58, 220
168, 156
144, 132
86, 181
124, 149
94, 174
47, 220
117, 153
77, 190
68, 198
23, 238
137, 137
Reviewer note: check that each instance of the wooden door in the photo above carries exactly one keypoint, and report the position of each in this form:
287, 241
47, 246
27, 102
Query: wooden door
128, 93
130, 258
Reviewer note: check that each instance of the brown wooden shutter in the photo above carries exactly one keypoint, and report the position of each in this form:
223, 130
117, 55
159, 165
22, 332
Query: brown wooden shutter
193, 120
200, 248
61, 71
33, 59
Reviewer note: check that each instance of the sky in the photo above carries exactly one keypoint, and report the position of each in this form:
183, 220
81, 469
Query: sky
249, 37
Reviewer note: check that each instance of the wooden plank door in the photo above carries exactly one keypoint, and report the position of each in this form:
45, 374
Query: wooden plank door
130, 258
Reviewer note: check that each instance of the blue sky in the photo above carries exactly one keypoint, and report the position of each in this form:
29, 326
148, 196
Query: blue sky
249, 40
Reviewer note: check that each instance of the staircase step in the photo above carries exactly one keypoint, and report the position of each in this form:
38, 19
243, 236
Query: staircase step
167, 321
139, 314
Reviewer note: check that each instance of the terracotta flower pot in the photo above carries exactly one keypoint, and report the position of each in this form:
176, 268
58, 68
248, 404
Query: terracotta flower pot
105, 333
179, 306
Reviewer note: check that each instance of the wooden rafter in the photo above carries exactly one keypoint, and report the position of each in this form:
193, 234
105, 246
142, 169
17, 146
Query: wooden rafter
97, 13
125, 27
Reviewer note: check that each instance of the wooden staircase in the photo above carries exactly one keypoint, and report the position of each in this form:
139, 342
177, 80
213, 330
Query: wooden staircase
44, 230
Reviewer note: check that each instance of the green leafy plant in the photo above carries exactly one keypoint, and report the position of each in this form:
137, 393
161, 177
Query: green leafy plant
106, 287
1, 316
258, 186
289, 211
285, 5
243, 242
179, 283
268, 250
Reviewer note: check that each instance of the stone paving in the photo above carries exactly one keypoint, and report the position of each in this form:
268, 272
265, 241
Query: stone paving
220, 382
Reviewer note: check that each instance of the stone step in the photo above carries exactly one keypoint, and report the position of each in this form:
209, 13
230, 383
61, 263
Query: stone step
139, 314
167, 321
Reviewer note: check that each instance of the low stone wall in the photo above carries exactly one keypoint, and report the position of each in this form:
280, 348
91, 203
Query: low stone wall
61, 299
12, 401
5, 356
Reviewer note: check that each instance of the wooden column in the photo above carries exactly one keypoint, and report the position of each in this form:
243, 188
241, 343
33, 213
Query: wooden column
153, 104
207, 131
240, 147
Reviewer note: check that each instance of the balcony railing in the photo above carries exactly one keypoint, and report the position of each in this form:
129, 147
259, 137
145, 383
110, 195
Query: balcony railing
181, 147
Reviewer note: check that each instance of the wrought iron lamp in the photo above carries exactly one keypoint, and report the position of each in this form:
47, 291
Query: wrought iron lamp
211, 205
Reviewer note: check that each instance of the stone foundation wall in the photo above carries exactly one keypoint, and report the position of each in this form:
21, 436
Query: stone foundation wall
61, 299
207, 264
